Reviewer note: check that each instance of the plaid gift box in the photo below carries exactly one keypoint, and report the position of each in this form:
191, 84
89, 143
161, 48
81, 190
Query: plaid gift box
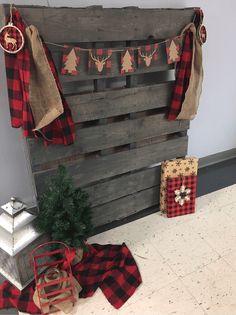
173, 168
147, 55
100, 61
181, 195
70, 60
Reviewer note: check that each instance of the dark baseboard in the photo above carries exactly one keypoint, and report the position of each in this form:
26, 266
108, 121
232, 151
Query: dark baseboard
215, 172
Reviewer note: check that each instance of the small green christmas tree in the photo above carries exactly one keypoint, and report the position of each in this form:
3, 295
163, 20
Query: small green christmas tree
64, 211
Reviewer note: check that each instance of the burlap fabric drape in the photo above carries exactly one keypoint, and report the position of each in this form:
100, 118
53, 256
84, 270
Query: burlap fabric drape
45, 100
192, 95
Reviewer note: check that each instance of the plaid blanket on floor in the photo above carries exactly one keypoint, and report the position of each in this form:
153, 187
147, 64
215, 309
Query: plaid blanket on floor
111, 268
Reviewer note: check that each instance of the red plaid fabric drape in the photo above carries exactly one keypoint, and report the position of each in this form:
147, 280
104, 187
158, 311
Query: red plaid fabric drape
111, 268
61, 130
183, 73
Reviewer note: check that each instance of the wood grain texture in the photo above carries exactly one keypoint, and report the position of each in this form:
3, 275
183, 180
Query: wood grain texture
123, 185
126, 206
88, 171
106, 136
91, 106
62, 25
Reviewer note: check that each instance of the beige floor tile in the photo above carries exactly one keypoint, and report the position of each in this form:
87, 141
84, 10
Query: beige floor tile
173, 299
230, 210
217, 199
214, 287
98, 305
184, 250
231, 259
218, 229
154, 270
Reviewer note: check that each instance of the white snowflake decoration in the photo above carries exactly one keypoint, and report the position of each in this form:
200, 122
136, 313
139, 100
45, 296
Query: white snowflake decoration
182, 195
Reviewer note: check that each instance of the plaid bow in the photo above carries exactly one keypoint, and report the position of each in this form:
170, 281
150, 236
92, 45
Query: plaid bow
111, 268
61, 130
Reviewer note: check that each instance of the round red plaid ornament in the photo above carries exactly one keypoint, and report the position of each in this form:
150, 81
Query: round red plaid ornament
202, 34
11, 38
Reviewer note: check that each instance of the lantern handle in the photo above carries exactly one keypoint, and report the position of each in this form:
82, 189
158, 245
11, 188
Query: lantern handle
49, 243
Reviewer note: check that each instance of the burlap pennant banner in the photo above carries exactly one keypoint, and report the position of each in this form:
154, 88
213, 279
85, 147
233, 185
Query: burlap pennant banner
127, 61
173, 50
70, 60
100, 61
147, 55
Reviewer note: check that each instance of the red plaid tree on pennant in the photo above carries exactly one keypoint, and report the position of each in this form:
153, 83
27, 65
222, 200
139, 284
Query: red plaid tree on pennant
70, 60
147, 55
173, 50
127, 61
181, 195
100, 61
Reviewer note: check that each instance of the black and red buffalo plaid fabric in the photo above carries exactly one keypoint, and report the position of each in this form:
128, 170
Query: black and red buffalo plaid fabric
61, 130
147, 55
174, 208
100, 61
111, 268
183, 72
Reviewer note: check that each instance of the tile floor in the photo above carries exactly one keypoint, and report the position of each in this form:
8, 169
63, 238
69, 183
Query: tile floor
188, 263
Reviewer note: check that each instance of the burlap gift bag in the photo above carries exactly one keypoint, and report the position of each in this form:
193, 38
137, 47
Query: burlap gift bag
173, 168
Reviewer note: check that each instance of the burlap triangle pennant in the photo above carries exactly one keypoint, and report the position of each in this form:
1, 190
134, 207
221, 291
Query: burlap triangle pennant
100, 61
147, 55
70, 60
127, 61
173, 50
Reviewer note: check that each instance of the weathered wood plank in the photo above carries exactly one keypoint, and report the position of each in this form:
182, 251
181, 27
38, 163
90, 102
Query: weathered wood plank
123, 207
98, 24
104, 137
99, 105
123, 185
87, 171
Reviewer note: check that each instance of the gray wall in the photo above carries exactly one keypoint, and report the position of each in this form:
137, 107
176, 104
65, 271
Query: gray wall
213, 130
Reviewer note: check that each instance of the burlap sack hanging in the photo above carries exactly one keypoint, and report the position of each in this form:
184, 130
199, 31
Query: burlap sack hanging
45, 99
191, 101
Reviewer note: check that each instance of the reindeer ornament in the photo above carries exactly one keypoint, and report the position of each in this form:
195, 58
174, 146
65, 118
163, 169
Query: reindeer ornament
11, 37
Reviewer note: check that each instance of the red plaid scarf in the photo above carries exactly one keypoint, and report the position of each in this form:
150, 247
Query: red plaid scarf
183, 72
61, 130
111, 268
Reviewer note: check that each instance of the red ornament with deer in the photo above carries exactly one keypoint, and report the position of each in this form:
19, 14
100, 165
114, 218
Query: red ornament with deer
11, 39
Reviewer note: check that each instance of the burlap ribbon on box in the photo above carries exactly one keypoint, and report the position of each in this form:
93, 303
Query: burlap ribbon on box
192, 95
45, 100
65, 306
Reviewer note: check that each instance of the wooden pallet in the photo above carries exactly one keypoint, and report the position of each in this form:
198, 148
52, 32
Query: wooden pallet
120, 120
